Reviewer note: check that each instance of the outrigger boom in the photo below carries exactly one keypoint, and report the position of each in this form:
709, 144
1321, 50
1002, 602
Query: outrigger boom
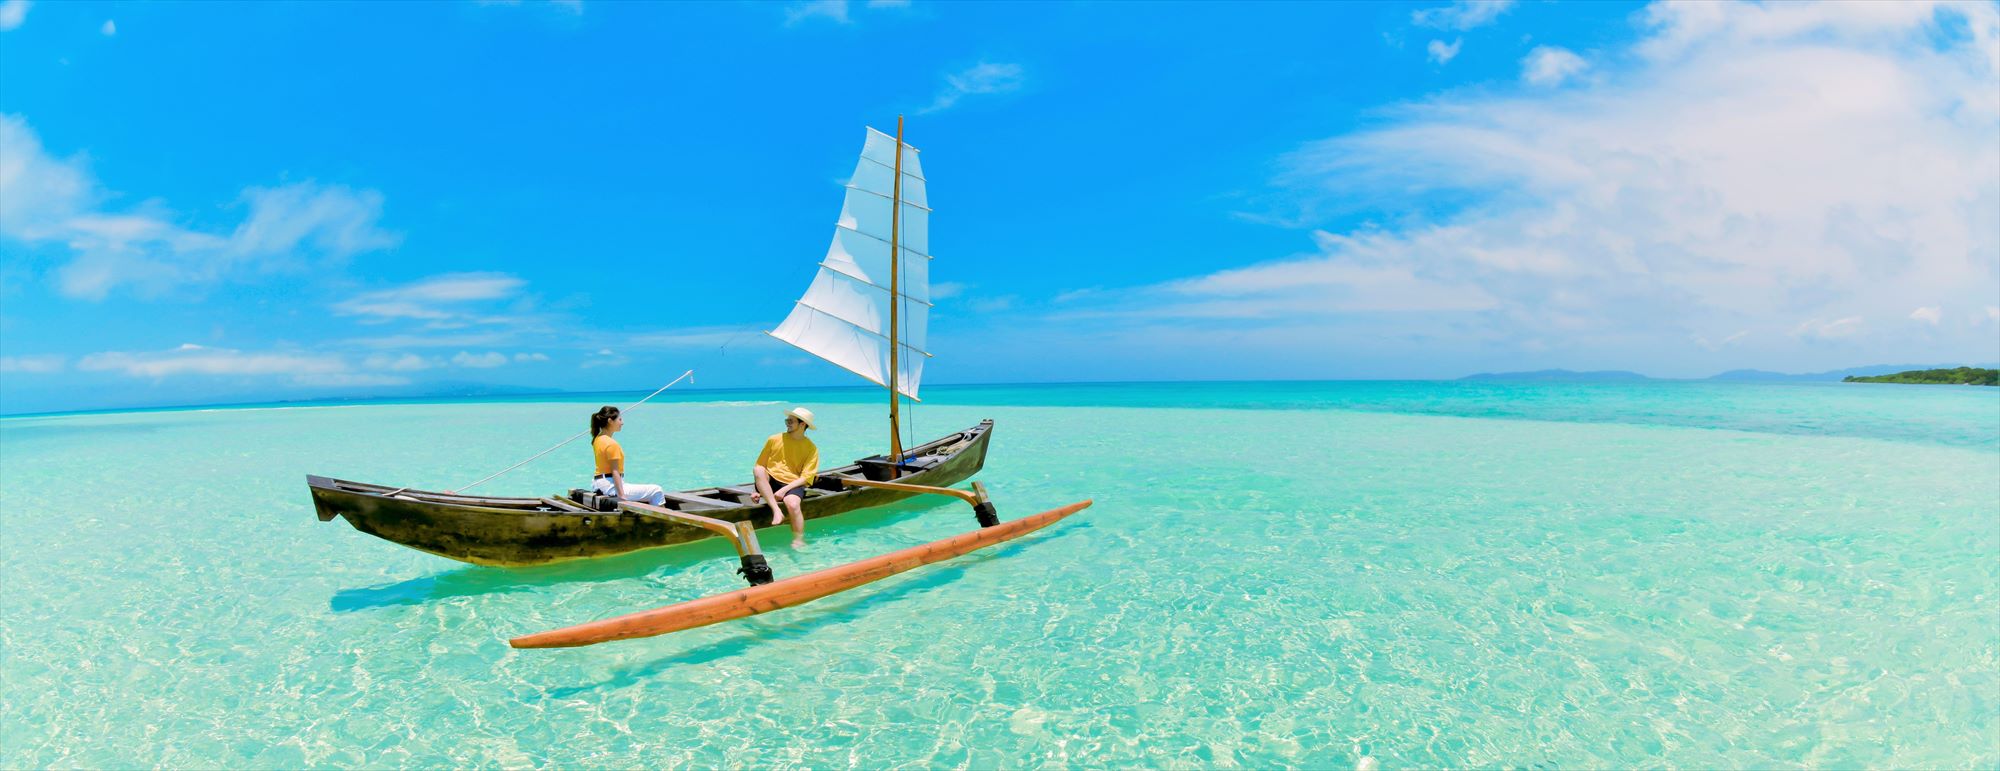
766, 595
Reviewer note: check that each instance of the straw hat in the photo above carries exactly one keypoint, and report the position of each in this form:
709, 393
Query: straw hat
804, 415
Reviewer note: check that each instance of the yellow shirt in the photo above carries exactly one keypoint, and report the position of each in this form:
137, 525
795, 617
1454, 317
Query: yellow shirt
610, 457
787, 458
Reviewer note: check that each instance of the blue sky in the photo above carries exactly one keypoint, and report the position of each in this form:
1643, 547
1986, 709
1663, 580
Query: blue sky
207, 202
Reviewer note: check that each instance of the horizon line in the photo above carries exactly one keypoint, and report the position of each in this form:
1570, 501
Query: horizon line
528, 392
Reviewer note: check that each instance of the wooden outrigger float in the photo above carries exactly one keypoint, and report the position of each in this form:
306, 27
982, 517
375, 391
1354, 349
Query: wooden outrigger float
866, 306
797, 590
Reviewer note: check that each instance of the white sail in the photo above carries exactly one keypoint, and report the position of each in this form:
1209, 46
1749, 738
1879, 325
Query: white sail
844, 315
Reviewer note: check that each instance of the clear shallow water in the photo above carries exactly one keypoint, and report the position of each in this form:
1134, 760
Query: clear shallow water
1274, 575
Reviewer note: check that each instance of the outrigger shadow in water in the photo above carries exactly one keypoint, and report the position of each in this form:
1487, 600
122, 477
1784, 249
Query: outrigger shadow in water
680, 558
809, 620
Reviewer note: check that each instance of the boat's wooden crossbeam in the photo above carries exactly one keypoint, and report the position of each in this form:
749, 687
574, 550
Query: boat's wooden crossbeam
910, 488
742, 535
982, 504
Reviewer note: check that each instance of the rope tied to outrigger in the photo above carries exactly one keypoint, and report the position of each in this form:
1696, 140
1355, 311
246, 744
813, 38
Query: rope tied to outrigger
559, 445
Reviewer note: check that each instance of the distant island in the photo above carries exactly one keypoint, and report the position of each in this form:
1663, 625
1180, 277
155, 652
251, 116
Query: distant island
1561, 375
1953, 376
1866, 374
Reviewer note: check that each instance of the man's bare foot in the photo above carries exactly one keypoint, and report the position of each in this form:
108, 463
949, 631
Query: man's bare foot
798, 543
777, 517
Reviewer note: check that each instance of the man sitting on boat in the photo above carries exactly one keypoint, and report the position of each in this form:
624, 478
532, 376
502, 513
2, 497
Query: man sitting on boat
610, 479
789, 461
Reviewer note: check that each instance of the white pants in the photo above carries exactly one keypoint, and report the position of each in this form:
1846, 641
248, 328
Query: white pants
653, 494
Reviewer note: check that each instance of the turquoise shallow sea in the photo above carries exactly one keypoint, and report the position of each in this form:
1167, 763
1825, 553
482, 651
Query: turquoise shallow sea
1275, 574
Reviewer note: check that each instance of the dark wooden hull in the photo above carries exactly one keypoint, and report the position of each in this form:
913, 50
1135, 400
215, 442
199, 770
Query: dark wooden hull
512, 532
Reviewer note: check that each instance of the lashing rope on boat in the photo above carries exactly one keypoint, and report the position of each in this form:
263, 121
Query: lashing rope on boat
656, 392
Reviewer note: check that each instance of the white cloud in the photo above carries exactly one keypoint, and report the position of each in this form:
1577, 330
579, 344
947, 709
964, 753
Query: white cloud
1726, 342
288, 229
1462, 14
479, 361
1929, 315
1363, 277
36, 191
1829, 330
945, 290
525, 357
1831, 168
1442, 52
1550, 65
436, 298
981, 78
605, 358
38, 365
832, 10
408, 362
109, 29
836, 11
191, 359
694, 337
12, 13
994, 304
449, 340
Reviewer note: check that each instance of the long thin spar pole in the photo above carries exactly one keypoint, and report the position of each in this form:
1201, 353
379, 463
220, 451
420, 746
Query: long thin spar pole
895, 296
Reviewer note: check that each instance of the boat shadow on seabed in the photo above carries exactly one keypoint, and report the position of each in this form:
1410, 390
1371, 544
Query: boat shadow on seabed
667, 563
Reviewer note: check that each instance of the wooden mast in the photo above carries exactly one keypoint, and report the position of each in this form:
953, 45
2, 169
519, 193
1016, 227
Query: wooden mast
895, 298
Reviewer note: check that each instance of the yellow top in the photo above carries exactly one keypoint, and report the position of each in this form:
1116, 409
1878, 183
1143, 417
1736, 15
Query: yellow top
787, 458
610, 457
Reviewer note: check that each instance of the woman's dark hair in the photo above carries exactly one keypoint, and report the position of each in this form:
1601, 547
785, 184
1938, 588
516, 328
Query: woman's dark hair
602, 418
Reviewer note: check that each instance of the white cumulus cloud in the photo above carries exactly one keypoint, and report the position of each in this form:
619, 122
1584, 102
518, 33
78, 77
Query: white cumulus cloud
435, 298
1780, 171
1550, 65
1829, 330
1442, 52
485, 360
287, 229
191, 359
1462, 14
831, 10
12, 13
981, 78
408, 362
1930, 315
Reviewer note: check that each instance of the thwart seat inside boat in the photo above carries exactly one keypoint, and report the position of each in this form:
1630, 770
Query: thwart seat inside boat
686, 502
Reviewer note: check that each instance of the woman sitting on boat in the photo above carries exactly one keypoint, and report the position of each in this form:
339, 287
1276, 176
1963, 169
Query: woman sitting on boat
789, 461
610, 479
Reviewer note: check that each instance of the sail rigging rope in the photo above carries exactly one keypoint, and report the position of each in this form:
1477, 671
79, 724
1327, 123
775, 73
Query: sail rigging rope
559, 445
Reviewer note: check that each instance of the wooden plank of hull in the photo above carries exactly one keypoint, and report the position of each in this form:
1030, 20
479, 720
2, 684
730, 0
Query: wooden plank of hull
788, 592
517, 537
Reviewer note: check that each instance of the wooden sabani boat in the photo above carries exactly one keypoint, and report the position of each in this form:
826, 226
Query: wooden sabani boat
865, 311
534, 531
